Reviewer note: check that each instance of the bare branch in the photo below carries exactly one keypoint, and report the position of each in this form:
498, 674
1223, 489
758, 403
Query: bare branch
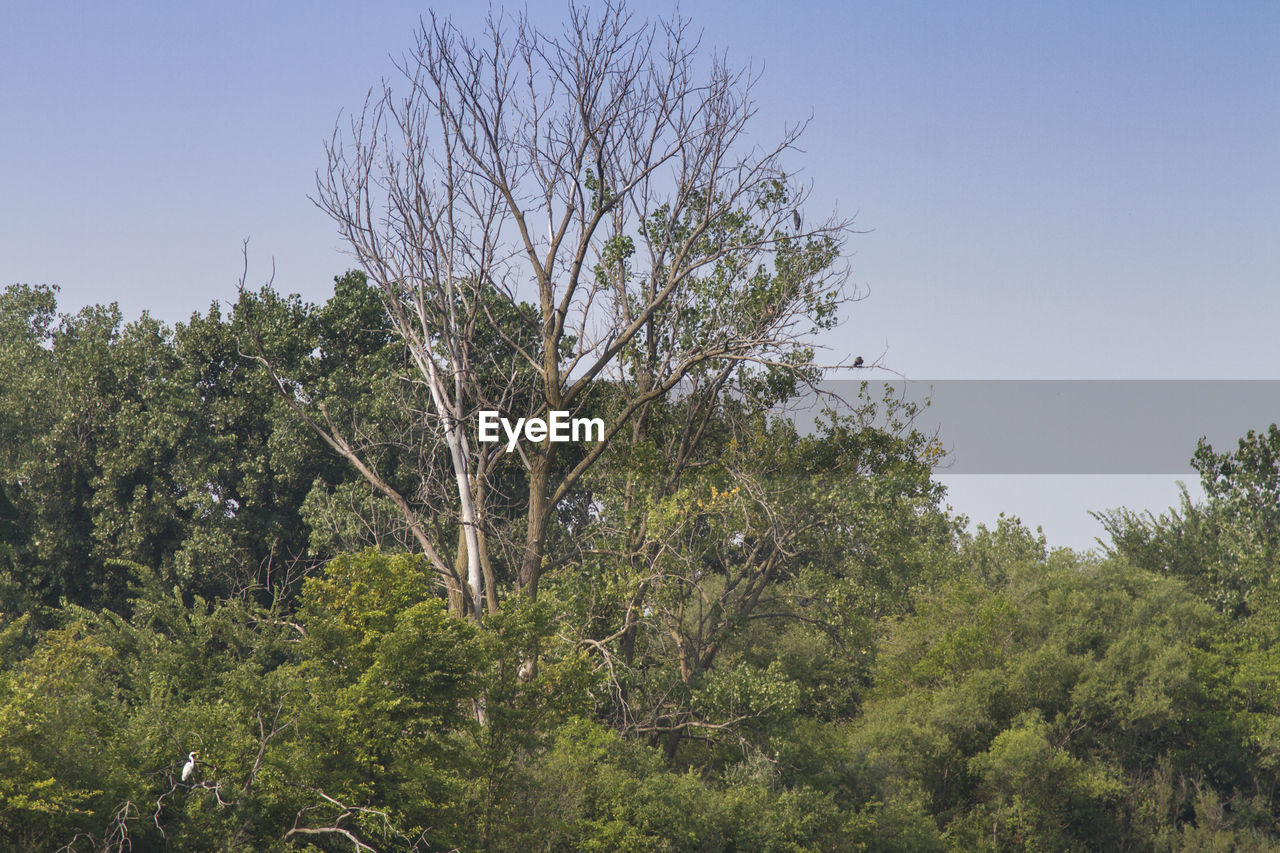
545, 213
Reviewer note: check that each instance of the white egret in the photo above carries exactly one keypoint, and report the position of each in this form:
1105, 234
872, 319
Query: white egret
189, 767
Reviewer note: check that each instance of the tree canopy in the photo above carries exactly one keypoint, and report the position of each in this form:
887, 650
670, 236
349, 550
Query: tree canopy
751, 637
263, 587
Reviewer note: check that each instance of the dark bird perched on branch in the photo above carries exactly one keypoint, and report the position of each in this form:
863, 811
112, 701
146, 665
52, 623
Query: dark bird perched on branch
857, 362
795, 217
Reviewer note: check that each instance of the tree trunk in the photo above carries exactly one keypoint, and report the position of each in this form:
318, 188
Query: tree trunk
539, 515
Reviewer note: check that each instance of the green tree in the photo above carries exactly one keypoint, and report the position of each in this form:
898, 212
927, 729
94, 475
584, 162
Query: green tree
27, 317
1045, 702
1226, 550
732, 582
169, 448
391, 681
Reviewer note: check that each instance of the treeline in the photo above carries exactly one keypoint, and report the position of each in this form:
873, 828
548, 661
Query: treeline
744, 638
171, 448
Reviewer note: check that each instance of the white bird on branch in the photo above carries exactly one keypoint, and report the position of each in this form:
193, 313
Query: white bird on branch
189, 767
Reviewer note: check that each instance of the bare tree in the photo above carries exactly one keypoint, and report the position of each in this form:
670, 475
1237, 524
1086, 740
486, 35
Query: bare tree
544, 212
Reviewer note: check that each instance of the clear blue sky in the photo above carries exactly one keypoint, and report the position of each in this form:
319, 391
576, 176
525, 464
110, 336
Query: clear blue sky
1083, 190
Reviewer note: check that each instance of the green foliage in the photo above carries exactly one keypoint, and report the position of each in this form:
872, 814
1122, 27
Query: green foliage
45, 779
1227, 549
390, 685
595, 791
747, 638
108, 709
169, 447
1031, 713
